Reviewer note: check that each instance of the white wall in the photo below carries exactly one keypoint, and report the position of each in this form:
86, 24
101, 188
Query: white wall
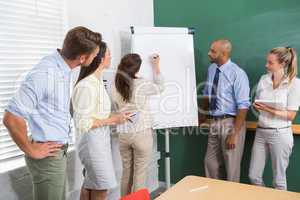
110, 16
107, 17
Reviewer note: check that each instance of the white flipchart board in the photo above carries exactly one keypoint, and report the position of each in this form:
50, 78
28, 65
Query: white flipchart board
177, 105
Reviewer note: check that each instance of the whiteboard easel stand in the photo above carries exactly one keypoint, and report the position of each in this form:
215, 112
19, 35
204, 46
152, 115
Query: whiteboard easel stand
167, 159
167, 131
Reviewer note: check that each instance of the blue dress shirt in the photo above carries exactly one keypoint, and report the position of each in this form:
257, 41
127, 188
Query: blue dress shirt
233, 89
43, 99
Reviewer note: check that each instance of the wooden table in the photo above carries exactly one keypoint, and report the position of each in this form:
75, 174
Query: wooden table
199, 188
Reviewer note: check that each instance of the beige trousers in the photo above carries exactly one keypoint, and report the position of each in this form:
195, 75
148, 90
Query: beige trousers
220, 162
136, 152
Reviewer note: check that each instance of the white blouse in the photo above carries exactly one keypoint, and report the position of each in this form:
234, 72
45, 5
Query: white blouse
142, 90
287, 94
90, 101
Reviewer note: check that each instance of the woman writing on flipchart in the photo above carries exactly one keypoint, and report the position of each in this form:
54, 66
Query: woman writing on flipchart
274, 134
131, 94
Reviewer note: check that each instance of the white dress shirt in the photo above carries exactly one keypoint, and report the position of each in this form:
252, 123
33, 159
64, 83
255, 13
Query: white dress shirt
287, 94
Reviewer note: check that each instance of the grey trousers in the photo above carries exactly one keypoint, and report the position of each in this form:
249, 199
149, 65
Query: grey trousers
220, 162
276, 143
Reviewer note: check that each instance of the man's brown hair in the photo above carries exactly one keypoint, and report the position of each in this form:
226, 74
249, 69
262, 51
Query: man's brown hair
79, 41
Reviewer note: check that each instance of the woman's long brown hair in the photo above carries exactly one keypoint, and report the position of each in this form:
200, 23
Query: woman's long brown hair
130, 64
86, 71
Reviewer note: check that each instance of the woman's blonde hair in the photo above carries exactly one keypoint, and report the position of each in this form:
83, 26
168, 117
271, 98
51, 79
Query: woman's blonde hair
288, 57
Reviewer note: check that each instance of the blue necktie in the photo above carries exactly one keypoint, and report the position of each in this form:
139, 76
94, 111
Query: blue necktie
213, 98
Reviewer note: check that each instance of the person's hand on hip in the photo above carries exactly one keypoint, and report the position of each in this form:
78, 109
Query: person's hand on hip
44, 150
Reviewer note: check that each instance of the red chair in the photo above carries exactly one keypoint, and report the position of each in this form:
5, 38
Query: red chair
142, 194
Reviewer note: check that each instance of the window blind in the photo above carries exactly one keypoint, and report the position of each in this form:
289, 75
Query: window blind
29, 30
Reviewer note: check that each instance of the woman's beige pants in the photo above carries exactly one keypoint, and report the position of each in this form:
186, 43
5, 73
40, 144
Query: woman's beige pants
136, 151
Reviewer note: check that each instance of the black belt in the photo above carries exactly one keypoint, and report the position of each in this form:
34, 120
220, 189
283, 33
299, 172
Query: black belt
221, 117
271, 128
63, 147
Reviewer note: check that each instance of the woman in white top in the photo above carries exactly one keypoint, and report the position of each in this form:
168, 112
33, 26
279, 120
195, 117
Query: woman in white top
274, 134
131, 94
92, 117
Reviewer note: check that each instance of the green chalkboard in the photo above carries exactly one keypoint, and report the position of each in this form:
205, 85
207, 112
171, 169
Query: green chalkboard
253, 26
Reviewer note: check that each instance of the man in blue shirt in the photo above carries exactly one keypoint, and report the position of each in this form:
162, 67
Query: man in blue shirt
226, 97
43, 100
